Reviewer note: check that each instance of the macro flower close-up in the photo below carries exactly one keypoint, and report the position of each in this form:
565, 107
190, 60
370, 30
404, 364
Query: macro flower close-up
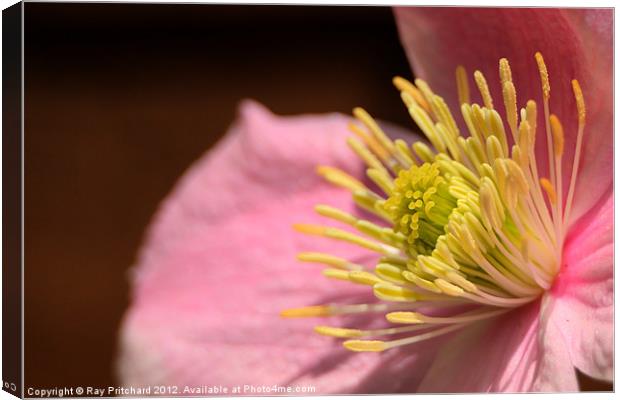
471, 251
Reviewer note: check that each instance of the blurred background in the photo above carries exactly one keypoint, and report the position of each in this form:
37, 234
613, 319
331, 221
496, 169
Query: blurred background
120, 99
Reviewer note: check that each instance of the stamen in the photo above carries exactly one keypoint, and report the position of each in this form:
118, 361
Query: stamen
558, 135
377, 345
483, 87
581, 112
370, 141
337, 332
544, 182
505, 74
364, 278
370, 123
336, 274
365, 345
558, 146
404, 85
510, 102
339, 234
363, 153
357, 333
546, 89
339, 178
468, 224
328, 259
407, 317
306, 312
544, 75
388, 292
335, 213
461, 84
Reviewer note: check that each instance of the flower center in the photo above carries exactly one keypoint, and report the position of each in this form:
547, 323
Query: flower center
420, 205
471, 229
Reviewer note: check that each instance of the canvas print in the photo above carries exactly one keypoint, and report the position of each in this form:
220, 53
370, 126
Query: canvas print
236, 200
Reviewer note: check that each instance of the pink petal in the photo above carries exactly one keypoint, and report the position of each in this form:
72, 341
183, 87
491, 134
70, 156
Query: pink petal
219, 265
575, 43
582, 305
501, 355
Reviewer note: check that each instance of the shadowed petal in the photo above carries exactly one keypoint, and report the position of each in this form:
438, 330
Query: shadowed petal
576, 43
500, 355
219, 265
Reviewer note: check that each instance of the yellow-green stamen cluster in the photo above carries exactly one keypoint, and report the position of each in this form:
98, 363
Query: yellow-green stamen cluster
420, 205
469, 222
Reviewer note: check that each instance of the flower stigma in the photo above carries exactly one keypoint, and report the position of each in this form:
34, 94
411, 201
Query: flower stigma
466, 229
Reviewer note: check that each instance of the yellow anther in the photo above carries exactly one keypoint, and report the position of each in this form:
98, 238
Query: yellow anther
544, 75
558, 135
510, 102
525, 136
488, 207
420, 282
390, 273
365, 154
338, 332
461, 84
339, 234
423, 152
428, 95
517, 177
505, 74
339, 178
461, 281
494, 148
531, 118
581, 105
483, 87
364, 278
365, 345
327, 259
404, 85
404, 317
305, 312
336, 274
372, 125
334, 213
404, 152
309, 229
381, 179
370, 141
548, 187
448, 288
389, 292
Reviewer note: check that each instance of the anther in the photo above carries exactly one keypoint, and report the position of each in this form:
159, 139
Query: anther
338, 332
340, 178
505, 74
304, 312
404, 317
365, 345
462, 86
581, 105
483, 87
558, 135
544, 75
548, 187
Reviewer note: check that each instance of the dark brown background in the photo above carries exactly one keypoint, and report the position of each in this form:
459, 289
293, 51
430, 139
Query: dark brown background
119, 100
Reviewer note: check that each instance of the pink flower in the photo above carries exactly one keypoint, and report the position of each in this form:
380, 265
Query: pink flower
219, 264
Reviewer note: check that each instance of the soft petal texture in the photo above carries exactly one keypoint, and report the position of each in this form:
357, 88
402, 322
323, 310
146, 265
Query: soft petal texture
582, 297
219, 265
576, 43
504, 354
